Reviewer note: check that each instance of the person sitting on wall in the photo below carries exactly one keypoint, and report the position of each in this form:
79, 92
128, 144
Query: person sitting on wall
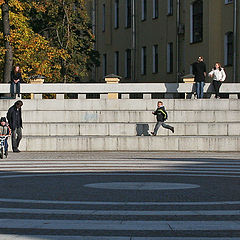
16, 78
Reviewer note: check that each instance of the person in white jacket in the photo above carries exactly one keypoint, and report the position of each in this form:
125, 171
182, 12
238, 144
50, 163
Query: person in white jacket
218, 74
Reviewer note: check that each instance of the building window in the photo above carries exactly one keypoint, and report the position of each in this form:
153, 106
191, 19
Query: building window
155, 9
170, 7
197, 21
144, 10
116, 10
104, 64
128, 13
228, 1
103, 17
170, 57
228, 49
155, 59
143, 61
128, 63
116, 63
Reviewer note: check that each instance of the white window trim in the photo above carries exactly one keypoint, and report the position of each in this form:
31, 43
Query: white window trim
142, 61
126, 13
228, 1
154, 9
103, 17
116, 16
143, 16
169, 57
104, 64
126, 66
154, 58
116, 62
170, 12
191, 23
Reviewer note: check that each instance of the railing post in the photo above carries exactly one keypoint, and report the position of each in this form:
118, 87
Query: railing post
36, 80
112, 79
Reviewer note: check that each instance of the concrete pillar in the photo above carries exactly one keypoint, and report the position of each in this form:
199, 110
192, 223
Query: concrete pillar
59, 96
233, 96
125, 96
105, 96
36, 81
147, 96
81, 96
112, 79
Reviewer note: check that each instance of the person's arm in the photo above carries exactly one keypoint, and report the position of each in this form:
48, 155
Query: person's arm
193, 69
20, 77
205, 70
9, 131
154, 112
211, 73
223, 75
9, 117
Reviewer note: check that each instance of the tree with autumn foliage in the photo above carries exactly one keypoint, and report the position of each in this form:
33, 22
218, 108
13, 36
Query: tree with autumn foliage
66, 24
48, 37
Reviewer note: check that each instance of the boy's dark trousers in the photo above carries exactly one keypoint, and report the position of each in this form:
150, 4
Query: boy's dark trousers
16, 138
216, 85
159, 124
12, 88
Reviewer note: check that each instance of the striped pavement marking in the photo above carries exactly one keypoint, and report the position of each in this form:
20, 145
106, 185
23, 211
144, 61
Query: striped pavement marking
58, 237
51, 168
122, 213
120, 225
119, 203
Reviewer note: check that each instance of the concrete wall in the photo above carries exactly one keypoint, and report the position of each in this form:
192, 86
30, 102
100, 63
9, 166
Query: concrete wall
125, 125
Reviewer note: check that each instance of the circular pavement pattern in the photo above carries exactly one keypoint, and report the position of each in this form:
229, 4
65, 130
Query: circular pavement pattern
141, 185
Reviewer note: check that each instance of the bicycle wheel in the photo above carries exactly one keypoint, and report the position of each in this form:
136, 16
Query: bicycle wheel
1, 153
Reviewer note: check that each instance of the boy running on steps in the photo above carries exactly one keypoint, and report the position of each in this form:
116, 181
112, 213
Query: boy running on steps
161, 117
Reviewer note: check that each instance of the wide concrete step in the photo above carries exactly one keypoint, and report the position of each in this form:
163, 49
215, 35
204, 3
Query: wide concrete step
123, 104
129, 129
118, 143
127, 116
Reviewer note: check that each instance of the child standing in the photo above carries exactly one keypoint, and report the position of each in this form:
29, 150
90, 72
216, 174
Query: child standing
161, 117
5, 131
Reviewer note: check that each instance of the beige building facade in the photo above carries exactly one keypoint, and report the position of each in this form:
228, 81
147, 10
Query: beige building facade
158, 40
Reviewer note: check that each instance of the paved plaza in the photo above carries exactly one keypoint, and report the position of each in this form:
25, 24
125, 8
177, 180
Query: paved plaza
120, 196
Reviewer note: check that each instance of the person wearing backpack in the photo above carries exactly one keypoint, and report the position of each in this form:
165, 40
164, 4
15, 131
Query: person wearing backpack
161, 118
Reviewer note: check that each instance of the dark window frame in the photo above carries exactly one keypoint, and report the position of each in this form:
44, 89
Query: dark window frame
197, 21
128, 14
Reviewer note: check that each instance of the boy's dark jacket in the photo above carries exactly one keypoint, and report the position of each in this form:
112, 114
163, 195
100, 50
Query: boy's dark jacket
161, 114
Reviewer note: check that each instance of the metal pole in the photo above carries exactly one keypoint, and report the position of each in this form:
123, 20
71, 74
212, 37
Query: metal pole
94, 72
133, 61
177, 40
235, 43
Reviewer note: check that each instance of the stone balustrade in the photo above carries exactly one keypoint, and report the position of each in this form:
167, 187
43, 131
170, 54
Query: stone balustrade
168, 90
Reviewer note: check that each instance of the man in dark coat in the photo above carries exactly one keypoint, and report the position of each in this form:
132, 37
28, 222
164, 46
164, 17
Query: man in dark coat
199, 70
14, 116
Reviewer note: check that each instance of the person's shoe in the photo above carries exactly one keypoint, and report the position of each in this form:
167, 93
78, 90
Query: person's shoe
172, 129
16, 150
153, 134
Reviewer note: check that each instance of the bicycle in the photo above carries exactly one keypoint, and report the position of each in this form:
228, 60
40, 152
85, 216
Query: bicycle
2, 146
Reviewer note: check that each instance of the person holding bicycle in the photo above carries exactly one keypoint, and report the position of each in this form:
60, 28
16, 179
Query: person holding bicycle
5, 131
